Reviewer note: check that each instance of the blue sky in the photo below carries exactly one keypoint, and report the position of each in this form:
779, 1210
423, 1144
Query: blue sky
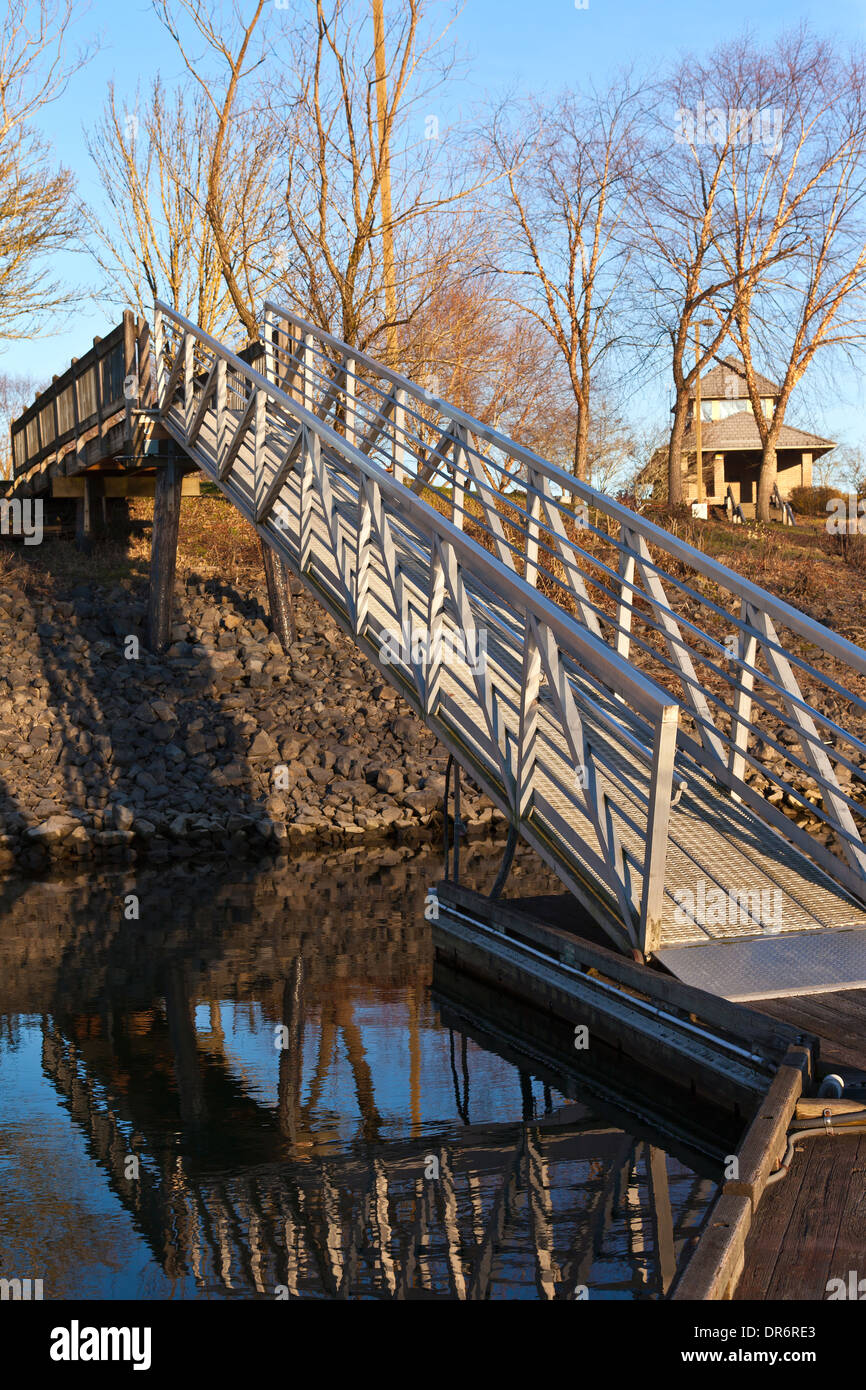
509, 43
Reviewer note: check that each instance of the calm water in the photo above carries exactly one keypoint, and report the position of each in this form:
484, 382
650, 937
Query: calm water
157, 1142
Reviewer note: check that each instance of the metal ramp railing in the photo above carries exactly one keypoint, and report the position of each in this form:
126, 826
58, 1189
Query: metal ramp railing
638, 710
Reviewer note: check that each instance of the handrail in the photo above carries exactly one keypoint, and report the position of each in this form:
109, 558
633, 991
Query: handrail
637, 602
648, 696
70, 416
256, 440
817, 633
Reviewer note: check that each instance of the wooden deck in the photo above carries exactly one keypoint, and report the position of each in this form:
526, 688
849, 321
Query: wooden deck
838, 1019
811, 1227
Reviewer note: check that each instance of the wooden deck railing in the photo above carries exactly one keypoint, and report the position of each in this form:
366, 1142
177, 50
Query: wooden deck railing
88, 396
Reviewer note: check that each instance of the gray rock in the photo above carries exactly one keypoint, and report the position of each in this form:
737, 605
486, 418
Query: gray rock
263, 745
53, 830
390, 781
122, 818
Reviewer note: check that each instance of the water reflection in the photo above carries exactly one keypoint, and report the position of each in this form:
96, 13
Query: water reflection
252, 1090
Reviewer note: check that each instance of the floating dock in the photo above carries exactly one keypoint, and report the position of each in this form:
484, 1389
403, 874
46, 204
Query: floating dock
760, 1066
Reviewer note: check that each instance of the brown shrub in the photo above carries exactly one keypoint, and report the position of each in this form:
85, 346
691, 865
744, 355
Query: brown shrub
812, 501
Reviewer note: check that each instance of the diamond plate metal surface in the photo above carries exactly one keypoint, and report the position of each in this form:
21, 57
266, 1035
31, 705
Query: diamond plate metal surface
772, 967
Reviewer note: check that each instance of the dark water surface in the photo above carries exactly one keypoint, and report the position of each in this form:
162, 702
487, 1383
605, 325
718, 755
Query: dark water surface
259, 1088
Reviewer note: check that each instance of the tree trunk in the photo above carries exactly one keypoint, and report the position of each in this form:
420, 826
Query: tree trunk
675, 451
581, 444
766, 479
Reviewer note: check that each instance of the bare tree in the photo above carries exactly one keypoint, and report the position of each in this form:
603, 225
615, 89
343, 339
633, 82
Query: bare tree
566, 170
240, 147
610, 447
844, 467
680, 213
38, 210
153, 165
356, 112
16, 394
475, 351
799, 208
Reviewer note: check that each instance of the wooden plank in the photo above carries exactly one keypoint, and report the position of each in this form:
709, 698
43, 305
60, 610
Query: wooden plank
716, 1265
769, 1234
800, 1265
661, 1216
815, 1109
838, 1019
766, 1139
821, 1241
85, 515
136, 484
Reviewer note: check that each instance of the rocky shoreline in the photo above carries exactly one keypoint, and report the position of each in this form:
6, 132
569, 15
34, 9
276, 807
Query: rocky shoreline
223, 746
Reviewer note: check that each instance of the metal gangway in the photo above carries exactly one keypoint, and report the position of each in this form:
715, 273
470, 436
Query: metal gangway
684, 750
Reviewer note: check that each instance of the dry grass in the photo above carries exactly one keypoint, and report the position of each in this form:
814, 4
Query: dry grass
213, 539
818, 573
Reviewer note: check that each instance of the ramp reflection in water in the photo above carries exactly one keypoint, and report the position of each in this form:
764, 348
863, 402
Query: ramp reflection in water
157, 1143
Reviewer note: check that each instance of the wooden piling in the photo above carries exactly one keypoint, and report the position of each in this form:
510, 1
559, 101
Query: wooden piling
279, 597
84, 519
89, 512
166, 518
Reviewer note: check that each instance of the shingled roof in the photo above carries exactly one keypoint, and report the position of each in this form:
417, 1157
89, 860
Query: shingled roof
739, 433
727, 381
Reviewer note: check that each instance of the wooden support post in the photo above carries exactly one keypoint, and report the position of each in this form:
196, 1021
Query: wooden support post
98, 505
182, 1036
88, 513
279, 597
130, 377
661, 1217
146, 398
163, 555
